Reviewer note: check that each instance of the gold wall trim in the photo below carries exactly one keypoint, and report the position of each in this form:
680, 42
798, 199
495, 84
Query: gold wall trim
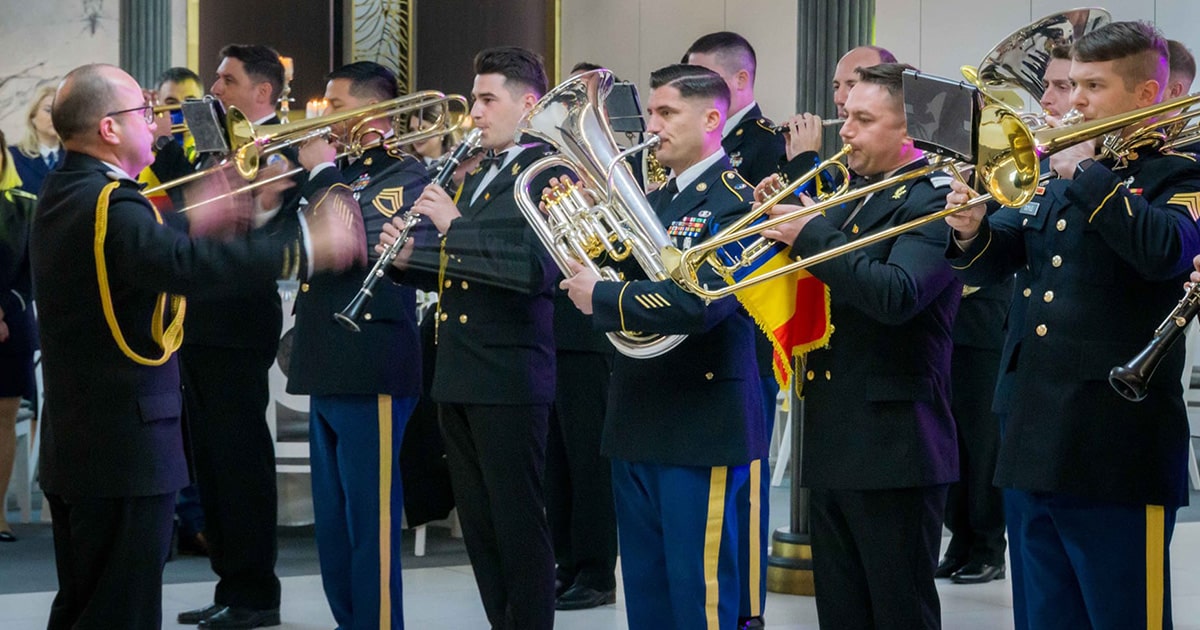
384, 31
193, 35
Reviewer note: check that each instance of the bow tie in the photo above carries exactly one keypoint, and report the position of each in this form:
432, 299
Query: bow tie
490, 159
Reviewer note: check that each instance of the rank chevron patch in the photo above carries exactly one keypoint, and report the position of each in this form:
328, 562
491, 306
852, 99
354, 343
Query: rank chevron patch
389, 201
1191, 201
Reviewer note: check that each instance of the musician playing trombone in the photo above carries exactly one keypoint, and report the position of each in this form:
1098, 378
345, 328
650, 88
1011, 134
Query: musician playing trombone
363, 385
879, 439
1094, 478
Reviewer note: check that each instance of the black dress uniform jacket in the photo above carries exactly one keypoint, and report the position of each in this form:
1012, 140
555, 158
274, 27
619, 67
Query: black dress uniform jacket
753, 147
1101, 262
714, 417
112, 427
385, 356
878, 398
496, 305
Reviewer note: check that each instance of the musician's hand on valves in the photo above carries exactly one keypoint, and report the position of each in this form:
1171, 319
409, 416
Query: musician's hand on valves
1195, 277
767, 188
966, 221
315, 152
804, 132
391, 231
580, 285
788, 231
1065, 161
438, 206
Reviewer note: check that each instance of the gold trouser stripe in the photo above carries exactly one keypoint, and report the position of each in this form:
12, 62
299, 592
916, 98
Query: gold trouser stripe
385, 511
1155, 552
755, 538
712, 545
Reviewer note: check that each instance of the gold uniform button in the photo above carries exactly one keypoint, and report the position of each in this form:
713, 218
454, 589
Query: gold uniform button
449, 284
828, 375
1042, 330
1027, 292
304, 288
367, 317
1061, 225
1056, 261
811, 375
462, 319
1048, 297
708, 376
465, 285
445, 317
1024, 222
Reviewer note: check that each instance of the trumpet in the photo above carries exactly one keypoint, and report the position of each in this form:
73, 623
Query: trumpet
348, 316
1008, 165
167, 110
1132, 379
251, 144
825, 122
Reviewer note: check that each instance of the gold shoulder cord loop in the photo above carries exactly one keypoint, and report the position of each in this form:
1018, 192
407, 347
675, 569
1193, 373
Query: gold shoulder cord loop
170, 339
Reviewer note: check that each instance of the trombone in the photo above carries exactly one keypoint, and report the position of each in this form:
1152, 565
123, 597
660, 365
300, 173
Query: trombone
253, 144
1008, 165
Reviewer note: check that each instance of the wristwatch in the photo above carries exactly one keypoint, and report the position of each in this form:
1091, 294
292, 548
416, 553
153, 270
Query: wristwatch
1083, 166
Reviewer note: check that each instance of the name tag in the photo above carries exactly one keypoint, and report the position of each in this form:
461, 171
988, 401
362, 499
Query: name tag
1030, 208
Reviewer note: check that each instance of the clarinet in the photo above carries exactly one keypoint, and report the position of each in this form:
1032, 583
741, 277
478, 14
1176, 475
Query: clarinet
348, 316
1132, 379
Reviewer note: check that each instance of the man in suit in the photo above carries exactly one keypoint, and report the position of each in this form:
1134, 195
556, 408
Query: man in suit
362, 386
112, 449
879, 439
755, 151
1101, 257
230, 346
494, 373
681, 455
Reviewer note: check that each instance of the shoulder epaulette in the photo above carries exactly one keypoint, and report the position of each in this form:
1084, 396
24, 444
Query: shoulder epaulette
737, 185
766, 124
940, 180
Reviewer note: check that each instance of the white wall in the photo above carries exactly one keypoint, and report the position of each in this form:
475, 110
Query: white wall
635, 37
44, 40
940, 36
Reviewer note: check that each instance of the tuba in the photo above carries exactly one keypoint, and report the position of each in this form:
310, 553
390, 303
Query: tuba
571, 117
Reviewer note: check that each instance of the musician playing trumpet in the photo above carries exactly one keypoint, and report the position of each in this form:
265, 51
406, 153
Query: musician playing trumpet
1094, 480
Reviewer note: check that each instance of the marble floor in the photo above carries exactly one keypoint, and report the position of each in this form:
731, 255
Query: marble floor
446, 598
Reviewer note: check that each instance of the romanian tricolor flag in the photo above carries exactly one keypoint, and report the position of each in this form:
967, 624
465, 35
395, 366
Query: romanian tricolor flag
160, 199
792, 309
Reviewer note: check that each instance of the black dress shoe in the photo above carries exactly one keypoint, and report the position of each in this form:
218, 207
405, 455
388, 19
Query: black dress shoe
948, 566
234, 617
579, 597
751, 623
193, 617
7, 536
978, 573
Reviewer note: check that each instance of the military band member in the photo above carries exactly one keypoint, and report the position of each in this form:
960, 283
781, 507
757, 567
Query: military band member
1095, 476
681, 455
1056, 98
112, 448
362, 386
755, 150
494, 373
879, 439
228, 352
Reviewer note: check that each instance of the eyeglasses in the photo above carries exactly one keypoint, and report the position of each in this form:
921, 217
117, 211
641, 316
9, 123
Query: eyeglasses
147, 109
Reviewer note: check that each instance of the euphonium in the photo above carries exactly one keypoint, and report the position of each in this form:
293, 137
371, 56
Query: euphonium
571, 117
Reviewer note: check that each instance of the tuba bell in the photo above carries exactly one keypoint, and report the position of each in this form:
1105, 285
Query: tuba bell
571, 117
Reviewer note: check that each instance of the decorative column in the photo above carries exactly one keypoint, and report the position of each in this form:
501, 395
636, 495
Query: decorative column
145, 39
827, 29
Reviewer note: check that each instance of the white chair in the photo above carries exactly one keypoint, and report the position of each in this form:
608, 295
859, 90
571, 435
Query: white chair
783, 416
1191, 396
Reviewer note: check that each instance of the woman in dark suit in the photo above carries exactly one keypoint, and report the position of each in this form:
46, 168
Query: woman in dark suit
40, 150
16, 319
